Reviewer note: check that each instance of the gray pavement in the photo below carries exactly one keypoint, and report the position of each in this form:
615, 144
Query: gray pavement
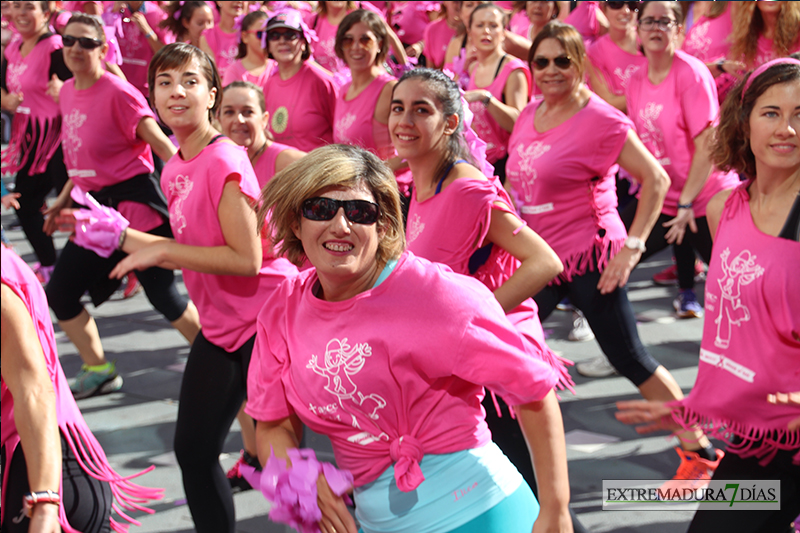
136, 425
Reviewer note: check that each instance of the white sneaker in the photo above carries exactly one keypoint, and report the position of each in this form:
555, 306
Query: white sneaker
599, 367
581, 332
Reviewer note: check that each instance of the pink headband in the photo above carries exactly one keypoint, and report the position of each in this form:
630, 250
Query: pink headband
760, 70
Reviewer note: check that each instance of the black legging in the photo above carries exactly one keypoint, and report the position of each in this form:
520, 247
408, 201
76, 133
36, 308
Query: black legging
33, 190
78, 269
733, 467
213, 389
684, 252
86, 501
612, 320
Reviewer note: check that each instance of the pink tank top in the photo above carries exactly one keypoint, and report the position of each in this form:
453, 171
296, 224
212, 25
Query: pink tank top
751, 337
354, 120
324, 52
437, 37
483, 123
265, 166
20, 279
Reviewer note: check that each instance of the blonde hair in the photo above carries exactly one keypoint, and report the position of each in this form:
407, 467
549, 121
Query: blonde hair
334, 165
748, 25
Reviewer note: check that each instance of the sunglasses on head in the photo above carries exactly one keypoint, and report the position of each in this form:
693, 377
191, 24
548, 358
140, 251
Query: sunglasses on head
633, 6
86, 43
356, 211
561, 62
285, 35
364, 40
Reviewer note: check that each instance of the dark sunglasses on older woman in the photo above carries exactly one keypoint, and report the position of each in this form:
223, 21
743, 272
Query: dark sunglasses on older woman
561, 62
356, 211
85, 42
633, 6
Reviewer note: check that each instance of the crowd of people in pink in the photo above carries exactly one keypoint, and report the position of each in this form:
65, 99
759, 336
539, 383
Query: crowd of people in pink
373, 207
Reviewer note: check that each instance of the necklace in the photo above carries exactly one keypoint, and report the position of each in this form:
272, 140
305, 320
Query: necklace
258, 153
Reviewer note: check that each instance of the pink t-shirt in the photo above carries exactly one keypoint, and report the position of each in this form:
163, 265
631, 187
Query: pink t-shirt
301, 108
483, 123
668, 117
17, 276
437, 36
224, 45
409, 20
102, 149
520, 24
324, 52
136, 51
354, 120
567, 193
228, 305
237, 72
751, 333
449, 227
384, 393
584, 19
709, 40
265, 164
765, 51
615, 64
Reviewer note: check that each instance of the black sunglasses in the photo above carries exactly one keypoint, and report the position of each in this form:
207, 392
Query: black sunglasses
561, 62
633, 6
86, 42
285, 35
356, 211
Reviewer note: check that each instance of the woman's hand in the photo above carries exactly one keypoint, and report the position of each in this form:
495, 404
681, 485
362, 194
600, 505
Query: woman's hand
415, 50
677, 226
618, 270
477, 95
335, 516
654, 415
51, 215
10, 200
144, 258
556, 522
141, 21
45, 519
54, 87
12, 101
787, 398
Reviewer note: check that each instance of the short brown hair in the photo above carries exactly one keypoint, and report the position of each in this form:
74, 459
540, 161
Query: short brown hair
731, 146
570, 40
177, 55
370, 20
334, 165
88, 20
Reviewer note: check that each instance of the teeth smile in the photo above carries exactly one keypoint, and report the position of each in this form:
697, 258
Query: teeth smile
338, 247
405, 137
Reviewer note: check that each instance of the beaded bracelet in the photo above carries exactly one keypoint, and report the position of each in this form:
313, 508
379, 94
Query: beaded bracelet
685, 206
32, 498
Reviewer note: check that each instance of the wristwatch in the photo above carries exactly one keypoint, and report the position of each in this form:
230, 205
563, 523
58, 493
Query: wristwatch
635, 243
720, 66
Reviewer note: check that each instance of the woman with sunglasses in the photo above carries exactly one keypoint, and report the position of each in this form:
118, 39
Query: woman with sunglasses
211, 189
300, 96
396, 385
673, 103
33, 66
614, 57
747, 391
499, 86
362, 108
109, 155
221, 41
567, 196
188, 20
251, 63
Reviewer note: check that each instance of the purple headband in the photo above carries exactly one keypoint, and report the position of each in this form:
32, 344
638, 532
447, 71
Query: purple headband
760, 70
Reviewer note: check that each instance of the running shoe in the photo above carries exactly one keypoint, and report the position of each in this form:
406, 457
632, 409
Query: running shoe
43, 273
581, 332
599, 367
564, 305
669, 276
686, 304
132, 286
694, 472
90, 383
237, 481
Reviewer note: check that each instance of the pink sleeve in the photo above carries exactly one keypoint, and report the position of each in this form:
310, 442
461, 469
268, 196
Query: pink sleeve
233, 73
128, 110
492, 353
614, 127
236, 167
266, 395
699, 100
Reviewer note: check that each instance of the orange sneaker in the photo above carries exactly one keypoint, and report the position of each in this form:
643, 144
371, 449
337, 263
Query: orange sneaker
694, 472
